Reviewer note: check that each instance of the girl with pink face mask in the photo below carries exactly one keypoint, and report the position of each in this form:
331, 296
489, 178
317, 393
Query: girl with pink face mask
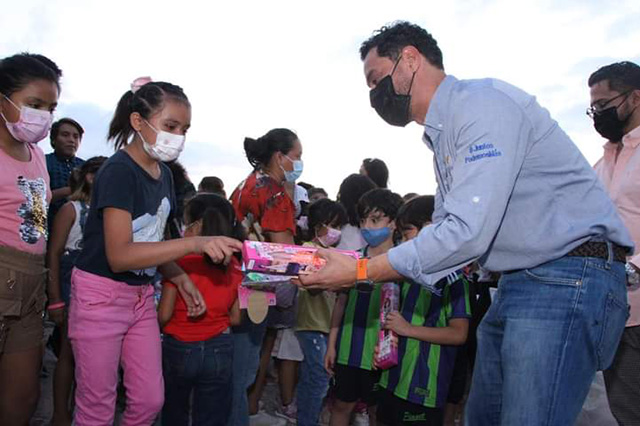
313, 322
29, 90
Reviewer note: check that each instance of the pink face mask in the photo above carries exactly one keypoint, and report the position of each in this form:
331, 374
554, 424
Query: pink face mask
331, 238
32, 126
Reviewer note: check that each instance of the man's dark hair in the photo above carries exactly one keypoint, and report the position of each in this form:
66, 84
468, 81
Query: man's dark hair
622, 76
382, 200
390, 40
55, 128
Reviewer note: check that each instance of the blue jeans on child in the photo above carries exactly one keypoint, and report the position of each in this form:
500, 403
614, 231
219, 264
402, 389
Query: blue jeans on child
547, 332
203, 368
247, 341
314, 380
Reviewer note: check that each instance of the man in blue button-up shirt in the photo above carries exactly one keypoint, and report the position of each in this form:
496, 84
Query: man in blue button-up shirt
516, 194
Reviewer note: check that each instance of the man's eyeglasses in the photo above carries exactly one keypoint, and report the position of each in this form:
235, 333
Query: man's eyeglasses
596, 109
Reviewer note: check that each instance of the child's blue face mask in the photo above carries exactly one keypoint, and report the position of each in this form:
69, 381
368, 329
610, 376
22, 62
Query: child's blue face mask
375, 236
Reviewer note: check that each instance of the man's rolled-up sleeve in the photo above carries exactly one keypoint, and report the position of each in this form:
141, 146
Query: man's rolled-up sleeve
492, 136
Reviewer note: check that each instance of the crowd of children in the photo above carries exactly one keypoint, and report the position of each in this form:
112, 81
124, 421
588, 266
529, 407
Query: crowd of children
119, 228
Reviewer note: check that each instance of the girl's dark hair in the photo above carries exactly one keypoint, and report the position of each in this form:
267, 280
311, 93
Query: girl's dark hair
382, 200
21, 69
259, 151
351, 189
377, 171
415, 212
146, 101
80, 187
326, 212
217, 215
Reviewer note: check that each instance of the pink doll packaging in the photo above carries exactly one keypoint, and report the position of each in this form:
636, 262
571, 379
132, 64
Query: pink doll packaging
283, 259
387, 339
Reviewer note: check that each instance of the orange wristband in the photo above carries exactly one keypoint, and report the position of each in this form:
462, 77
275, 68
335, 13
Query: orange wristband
361, 272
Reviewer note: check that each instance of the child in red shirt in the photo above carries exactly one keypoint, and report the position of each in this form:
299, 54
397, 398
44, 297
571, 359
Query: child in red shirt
197, 352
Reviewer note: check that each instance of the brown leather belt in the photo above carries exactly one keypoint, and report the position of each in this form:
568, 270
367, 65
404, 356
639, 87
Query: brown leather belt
599, 249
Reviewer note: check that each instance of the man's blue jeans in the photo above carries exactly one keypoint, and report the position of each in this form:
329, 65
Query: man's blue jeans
548, 331
247, 341
314, 380
202, 368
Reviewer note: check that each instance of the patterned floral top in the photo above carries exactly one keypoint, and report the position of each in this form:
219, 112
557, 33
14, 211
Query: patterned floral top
263, 205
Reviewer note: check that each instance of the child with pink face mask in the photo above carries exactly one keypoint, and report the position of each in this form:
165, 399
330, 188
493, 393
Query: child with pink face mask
112, 317
29, 90
313, 322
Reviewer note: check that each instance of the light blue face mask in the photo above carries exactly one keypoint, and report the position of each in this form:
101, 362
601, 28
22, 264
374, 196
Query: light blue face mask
375, 236
293, 175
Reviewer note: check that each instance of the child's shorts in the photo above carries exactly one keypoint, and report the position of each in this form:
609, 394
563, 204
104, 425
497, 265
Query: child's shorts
353, 384
394, 411
286, 346
22, 299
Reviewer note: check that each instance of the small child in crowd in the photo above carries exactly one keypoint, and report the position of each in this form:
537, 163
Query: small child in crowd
197, 352
356, 317
313, 322
429, 329
65, 243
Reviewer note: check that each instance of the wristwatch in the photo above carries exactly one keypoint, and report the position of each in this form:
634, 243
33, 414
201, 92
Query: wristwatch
363, 283
633, 278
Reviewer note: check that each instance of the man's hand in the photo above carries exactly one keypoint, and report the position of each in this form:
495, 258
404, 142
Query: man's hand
397, 324
338, 273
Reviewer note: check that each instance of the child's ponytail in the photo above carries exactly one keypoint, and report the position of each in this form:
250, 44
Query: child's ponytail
120, 129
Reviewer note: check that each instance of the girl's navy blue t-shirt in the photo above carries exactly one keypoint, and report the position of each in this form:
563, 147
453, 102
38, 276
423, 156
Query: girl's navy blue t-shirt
122, 184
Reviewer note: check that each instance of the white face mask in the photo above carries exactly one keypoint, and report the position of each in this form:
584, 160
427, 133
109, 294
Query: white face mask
167, 147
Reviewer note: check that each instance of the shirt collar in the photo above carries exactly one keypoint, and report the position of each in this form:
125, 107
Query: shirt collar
63, 159
632, 138
434, 120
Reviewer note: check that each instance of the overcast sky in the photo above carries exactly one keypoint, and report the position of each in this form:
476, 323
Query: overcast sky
251, 66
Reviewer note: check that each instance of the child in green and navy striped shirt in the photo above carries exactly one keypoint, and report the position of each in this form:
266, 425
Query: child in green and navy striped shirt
355, 321
429, 329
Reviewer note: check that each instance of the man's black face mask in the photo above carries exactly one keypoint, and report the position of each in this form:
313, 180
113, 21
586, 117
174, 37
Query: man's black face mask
392, 107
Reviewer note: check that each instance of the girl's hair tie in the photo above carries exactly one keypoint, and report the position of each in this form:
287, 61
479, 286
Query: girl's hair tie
139, 82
